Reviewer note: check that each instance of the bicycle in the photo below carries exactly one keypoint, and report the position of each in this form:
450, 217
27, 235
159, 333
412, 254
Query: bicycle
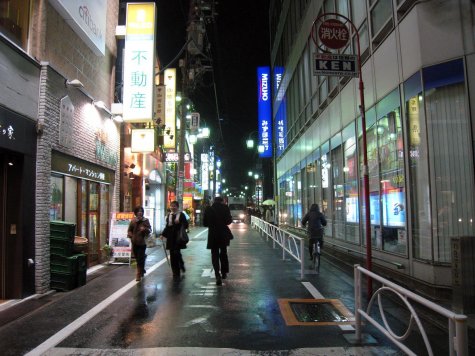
316, 256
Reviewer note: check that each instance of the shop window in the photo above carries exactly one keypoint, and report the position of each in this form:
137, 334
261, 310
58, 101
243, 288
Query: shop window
325, 176
14, 20
392, 175
350, 166
418, 169
451, 158
57, 198
338, 204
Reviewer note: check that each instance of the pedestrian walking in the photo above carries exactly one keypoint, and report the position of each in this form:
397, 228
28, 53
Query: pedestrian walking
217, 217
139, 229
316, 221
175, 221
270, 216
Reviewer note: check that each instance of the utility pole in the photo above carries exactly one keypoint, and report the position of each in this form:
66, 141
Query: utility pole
193, 67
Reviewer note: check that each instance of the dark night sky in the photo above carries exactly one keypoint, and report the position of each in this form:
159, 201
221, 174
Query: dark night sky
239, 42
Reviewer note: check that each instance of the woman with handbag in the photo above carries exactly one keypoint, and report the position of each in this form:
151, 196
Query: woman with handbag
217, 218
177, 238
139, 229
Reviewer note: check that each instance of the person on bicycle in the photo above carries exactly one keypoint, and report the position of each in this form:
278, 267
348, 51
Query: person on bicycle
316, 221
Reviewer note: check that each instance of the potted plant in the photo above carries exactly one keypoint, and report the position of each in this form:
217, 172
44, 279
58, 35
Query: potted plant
106, 253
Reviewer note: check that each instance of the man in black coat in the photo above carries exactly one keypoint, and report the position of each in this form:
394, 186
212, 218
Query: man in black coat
217, 217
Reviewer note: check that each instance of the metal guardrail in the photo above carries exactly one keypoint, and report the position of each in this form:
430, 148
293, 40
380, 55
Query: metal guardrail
458, 337
347, 249
291, 244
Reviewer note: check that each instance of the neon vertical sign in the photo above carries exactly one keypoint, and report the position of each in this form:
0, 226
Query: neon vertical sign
280, 120
264, 117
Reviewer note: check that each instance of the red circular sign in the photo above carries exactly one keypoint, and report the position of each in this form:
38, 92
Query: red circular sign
334, 34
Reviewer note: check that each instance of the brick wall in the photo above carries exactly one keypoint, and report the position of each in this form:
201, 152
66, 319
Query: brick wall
65, 56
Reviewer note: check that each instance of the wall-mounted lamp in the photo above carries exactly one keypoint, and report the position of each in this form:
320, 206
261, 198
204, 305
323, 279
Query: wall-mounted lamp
75, 83
100, 105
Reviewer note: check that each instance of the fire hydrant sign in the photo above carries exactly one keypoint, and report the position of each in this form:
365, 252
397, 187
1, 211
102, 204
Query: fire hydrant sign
333, 33
341, 65
118, 240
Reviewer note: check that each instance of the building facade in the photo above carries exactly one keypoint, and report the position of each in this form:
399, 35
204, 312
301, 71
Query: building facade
59, 64
418, 66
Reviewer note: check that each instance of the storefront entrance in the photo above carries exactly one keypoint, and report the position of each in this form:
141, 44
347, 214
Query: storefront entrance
11, 237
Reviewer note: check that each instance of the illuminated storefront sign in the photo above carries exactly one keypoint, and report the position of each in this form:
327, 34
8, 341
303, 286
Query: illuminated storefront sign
204, 171
172, 157
169, 138
143, 140
87, 18
75, 167
264, 117
280, 120
139, 61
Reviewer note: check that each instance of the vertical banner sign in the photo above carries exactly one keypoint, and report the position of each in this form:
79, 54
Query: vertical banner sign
204, 171
139, 62
264, 118
169, 138
280, 119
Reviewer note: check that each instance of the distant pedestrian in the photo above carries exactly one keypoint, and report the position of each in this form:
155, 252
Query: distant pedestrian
174, 221
139, 229
316, 222
217, 218
270, 217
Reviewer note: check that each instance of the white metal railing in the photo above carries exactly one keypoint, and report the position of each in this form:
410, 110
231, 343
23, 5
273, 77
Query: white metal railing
458, 339
291, 244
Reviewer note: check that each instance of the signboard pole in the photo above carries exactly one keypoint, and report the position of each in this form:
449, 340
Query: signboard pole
331, 33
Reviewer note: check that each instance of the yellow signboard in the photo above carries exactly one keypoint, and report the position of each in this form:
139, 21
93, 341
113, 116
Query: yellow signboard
139, 63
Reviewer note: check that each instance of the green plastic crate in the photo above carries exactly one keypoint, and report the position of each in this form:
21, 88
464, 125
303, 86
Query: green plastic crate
62, 230
61, 247
62, 264
81, 278
63, 281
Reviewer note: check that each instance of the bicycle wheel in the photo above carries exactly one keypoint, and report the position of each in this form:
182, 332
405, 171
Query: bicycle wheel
316, 257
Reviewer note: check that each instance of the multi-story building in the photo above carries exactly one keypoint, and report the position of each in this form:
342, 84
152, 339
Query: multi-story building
59, 147
418, 70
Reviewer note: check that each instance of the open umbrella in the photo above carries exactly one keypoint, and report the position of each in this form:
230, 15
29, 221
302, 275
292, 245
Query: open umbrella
269, 202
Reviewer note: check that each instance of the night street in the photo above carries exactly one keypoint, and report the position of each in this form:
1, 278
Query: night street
113, 314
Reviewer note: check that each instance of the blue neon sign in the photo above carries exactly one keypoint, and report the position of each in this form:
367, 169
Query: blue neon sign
264, 117
280, 119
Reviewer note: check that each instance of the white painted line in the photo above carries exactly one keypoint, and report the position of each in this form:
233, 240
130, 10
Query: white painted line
317, 295
83, 319
206, 272
313, 291
94, 269
202, 232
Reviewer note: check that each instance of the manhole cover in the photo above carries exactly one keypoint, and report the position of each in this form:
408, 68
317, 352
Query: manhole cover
314, 312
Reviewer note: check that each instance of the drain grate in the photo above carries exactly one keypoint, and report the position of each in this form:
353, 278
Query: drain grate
314, 312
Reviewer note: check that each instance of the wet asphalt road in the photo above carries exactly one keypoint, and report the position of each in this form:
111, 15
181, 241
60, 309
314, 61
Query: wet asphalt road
192, 316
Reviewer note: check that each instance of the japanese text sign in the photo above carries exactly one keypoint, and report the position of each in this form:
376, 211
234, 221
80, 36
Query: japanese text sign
139, 61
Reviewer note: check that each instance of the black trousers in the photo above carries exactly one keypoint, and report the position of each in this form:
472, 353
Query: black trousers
176, 261
219, 256
139, 253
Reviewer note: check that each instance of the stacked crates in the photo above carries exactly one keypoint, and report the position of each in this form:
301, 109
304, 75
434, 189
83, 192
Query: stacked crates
68, 271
